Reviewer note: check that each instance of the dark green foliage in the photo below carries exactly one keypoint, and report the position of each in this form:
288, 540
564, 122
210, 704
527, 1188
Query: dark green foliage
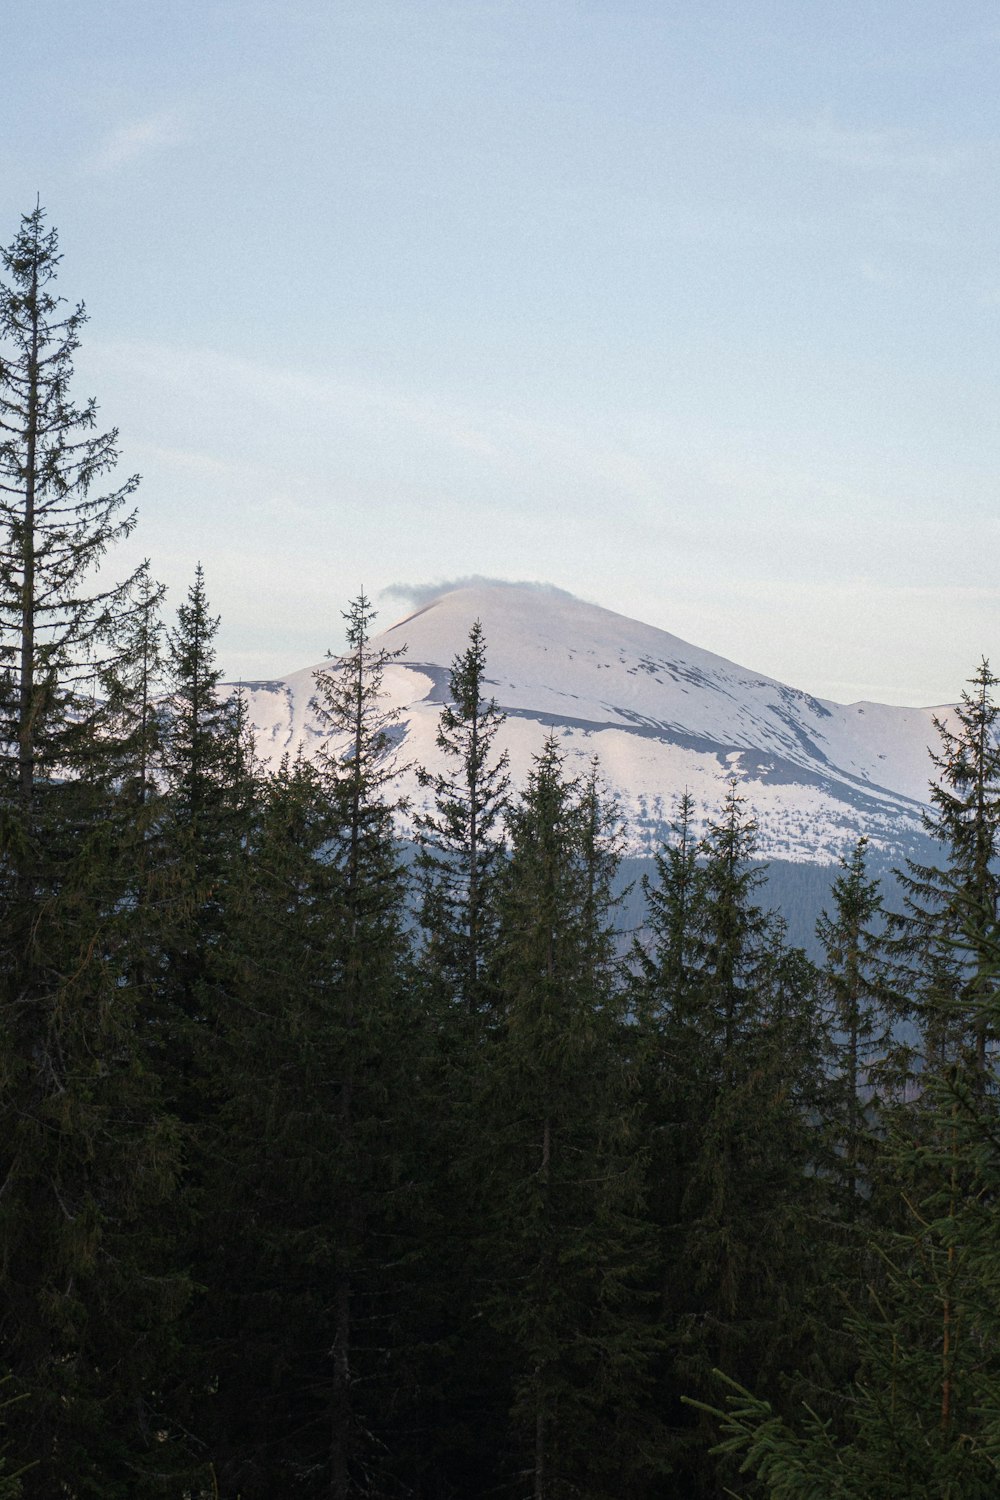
133, 684
861, 1009
271, 1151
366, 983
460, 838
210, 782
200, 833
754, 1053
921, 1421
311, 1142
666, 1043
948, 931
359, 770
54, 619
200, 745
921, 1416
89, 1156
731, 1059
560, 1166
459, 864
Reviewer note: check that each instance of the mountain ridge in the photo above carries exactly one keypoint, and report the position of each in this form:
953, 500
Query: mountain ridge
660, 713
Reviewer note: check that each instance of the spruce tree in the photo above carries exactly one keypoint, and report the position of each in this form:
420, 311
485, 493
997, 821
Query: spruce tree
198, 843
916, 1416
459, 862
749, 1054
861, 1009
89, 1156
919, 1420
668, 965
55, 615
134, 689
947, 934
200, 806
369, 1084
667, 1043
202, 753
560, 1168
271, 1150
460, 837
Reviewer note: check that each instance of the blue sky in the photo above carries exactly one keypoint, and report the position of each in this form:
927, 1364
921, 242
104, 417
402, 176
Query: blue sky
691, 309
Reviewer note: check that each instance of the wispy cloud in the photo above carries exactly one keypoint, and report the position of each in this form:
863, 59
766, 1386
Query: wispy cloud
887, 150
137, 138
513, 446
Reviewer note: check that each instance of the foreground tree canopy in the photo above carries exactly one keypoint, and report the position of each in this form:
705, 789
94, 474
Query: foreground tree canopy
333, 1165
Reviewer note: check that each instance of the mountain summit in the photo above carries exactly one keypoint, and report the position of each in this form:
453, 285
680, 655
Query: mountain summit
661, 715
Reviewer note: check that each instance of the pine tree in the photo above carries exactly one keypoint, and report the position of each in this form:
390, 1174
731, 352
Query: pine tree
54, 616
668, 970
668, 1046
917, 1418
198, 842
919, 1421
368, 987
197, 819
271, 1156
89, 1157
747, 1058
133, 687
458, 867
948, 931
203, 754
560, 1169
862, 1007
460, 838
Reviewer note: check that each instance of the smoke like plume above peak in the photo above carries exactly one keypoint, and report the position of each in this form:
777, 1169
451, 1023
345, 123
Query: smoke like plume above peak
421, 594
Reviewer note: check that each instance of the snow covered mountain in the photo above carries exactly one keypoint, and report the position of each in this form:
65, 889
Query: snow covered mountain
660, 714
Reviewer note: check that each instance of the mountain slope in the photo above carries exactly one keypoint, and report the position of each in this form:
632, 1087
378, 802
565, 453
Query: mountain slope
660, 714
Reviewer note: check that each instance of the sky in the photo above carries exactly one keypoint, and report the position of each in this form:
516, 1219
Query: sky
691, 309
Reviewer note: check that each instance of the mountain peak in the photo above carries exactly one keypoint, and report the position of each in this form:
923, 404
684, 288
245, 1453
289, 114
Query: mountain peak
662, 716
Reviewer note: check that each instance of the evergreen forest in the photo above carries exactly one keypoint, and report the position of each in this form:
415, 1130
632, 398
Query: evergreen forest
335, 1167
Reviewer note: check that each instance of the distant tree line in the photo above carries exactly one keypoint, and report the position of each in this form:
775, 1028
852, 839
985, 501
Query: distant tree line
328, 1173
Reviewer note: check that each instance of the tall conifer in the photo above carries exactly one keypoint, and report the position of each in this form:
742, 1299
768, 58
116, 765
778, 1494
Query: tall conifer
88, 1155
743, 1273
199, 844
460, 837
919, 1419
947, 934
560, 1166
54, 615
367, 951
271, 1157
861, 1011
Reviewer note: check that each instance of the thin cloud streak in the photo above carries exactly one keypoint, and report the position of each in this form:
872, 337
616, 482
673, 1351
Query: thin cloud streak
510, 444
888, 150
129, 142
